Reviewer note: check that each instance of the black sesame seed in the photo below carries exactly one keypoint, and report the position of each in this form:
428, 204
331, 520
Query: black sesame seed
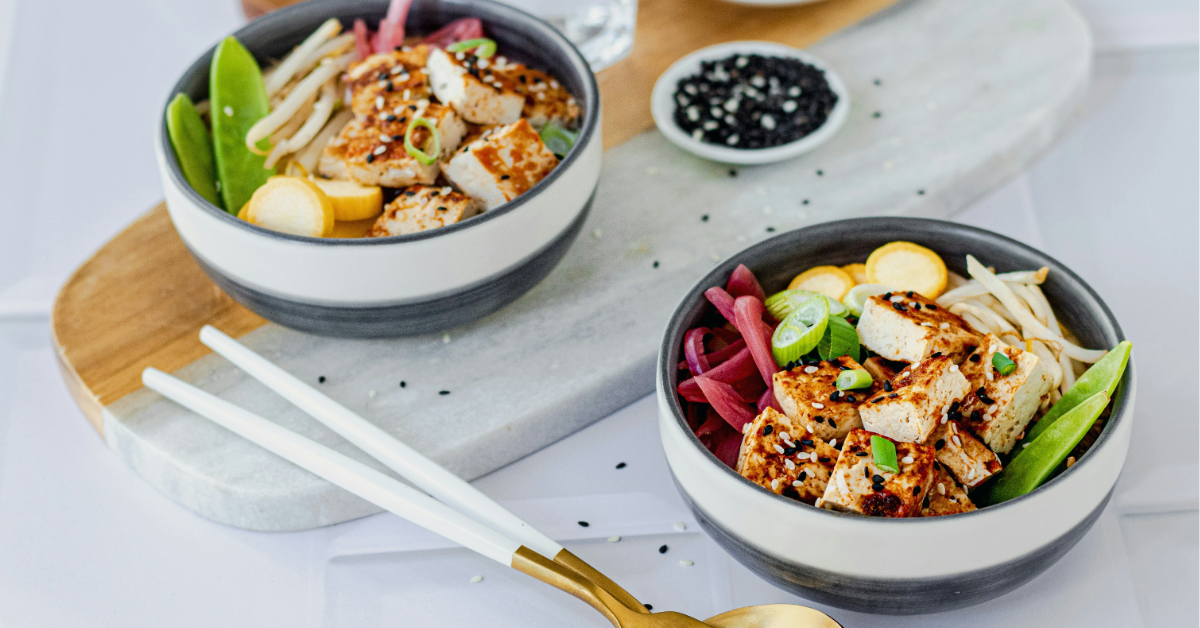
704, 218
921, 192
917, 306
876, 114
443, 392
941, 442
850, 399
878, 479
861, 454
768, 429
936, 354
832, 424
649, 607
803, 475
909, 294
787, 451
877, 487
976, 415
321, 379
370, 157
409, 193
620, 465
916, 491
887, 385
770, 229
820, 173
867, 472
824, 459
504, 177
656, 263
584, 524
877, 82
877, 400
804, 202
819, 419
893, 395
662, 549
441, 208
807, 441
930, 306
974, 358
403, 384
835, 395
732, 172
887, 295
955, 406
954, 416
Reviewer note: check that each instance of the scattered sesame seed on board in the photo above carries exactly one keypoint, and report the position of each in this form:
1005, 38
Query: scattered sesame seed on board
663, 549
620, 465
321, 379
476, 579
614, 539
686, 563
443, 392
584, 524
681, 526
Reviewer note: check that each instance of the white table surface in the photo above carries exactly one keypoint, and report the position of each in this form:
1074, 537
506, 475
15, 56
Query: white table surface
85, 542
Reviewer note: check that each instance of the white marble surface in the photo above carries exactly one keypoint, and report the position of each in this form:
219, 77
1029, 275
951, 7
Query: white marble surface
954, 125
86, 542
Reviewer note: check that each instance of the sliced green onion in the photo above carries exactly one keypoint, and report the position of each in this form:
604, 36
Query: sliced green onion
854, 379
840, 338
858, 295
884, 452
486, 47
1003, 365
781, 304
558, 139
800, 332
425, 158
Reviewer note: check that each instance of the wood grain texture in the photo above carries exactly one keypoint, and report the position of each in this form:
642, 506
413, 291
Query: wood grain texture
141, 299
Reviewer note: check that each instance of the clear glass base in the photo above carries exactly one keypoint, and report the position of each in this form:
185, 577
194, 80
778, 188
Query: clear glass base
601, 29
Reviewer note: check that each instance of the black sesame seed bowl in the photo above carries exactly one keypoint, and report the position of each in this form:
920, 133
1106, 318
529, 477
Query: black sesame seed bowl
749, 102
895, 566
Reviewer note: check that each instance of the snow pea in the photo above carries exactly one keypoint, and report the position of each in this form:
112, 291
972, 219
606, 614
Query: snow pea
239, 99
1035, 463
193, 147
1101, 376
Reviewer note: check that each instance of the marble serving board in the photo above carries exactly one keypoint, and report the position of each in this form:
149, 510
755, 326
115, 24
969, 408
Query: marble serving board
949, 100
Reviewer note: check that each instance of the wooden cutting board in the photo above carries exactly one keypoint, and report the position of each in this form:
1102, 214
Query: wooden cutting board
141, 300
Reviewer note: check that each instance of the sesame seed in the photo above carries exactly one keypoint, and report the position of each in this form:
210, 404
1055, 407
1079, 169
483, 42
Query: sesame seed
907, 460
817, 405
785, 436
379, 102
476, 579
403, 384
861, 454
803, 456
896, 299
789, 464
379, 151
778, 447
443, 392
833, 443
944, 326
767, 430
953, 368
681, 526
614, 539
686, 563
941, 488
385, 138
810, 369
583, 524
662, 549
228, 111
957, 441
321, 379
797, 483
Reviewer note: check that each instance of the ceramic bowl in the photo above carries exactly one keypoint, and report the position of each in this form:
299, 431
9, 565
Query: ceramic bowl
401, 285
895, 566
662, 105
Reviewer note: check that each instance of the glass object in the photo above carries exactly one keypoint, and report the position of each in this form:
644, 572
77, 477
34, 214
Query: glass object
601, 29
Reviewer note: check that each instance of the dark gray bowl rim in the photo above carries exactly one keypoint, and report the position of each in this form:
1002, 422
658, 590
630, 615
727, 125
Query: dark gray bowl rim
591, 118
668, 359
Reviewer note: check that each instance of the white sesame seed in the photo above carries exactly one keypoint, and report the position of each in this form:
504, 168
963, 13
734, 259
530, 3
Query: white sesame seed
541, 96
681, 526
956, 440
597, 234
988, 374
914, 365
553, 84
797, 483
833, 443
698, 135
793, 91
785, 436
732, 139
819, 406
810, 369
789, 464
741, 62
944, 326
1024, 445
731, 105
746, 428
614, 539
710, 125
407, 95
385, 138
971, 475
953, 368
398, 69
379, 102
941, 488
460, 56
802, 456
228, 111
372, 394
482, 63
686, 563
992, 408
778, 448
383, 83
953, 428
775, 485
693, 113
380, 150
767, 123
907, 460
926, 324
476, 579
944, 417
445, 339
896, 299
789, 106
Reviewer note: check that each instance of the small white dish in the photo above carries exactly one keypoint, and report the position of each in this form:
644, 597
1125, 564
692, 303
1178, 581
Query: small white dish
662, 105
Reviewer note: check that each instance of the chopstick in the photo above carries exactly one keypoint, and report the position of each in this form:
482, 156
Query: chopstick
338, 469
404, 460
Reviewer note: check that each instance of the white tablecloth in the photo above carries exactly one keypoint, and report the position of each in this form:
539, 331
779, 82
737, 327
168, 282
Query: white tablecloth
85, 542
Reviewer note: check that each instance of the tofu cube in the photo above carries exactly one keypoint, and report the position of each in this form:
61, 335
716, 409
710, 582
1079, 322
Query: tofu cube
908, 327
382, 82
419, 208
545, 98
809, 396
501, 165
468, 84
777, 456
858, 486
946, 497
920, 396
371, 150
999, 407
969, 460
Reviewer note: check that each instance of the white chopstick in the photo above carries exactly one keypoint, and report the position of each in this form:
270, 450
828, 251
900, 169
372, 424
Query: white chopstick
404, 460
349, 474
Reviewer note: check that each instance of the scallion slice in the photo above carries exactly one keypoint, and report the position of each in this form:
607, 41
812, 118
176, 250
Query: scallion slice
425, 158
840, 339
800, 332
484, 47
854, 379
783, 303
558, 139
1002, 364
884, 452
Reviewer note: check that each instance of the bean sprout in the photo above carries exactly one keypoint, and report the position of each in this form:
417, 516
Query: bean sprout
308, 157
321, 111
292, 64
304, 90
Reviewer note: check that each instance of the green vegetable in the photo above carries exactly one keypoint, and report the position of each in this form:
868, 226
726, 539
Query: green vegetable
425, 158
800, 331
239, 100
840, 338
884, 452
486, 47
1003, 365
857, 297
783, 303
1034, 464
193, 147
558, 139
854, 379
1101, 376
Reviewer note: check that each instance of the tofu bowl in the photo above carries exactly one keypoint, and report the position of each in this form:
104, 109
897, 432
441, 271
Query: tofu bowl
886, 527
418, 281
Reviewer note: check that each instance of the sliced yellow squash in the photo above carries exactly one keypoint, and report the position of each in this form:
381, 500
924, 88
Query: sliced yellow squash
292, 205
857, 272
830, 281
352, 228
352, 200
244, 212
908, 266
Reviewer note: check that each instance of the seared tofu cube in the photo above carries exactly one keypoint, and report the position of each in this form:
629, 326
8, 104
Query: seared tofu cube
371, 150
1000, 406
545, 98
419, 208
501, 165
809, 395
469, 84
920, 396
858, 486
777, 455
382, 82
946, 497
906, 326
962, 454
